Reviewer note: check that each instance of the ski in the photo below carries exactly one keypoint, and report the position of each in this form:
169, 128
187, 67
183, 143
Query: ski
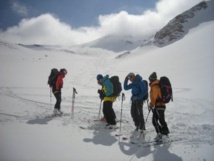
117, 121
154, 143
99, 127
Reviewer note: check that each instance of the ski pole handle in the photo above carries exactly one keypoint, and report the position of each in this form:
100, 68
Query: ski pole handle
75, 91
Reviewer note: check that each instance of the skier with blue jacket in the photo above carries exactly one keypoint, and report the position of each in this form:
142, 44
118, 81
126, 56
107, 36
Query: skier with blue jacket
139, 90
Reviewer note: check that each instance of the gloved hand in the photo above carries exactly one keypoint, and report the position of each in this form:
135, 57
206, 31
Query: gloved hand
151, 107
99, 91
102, 95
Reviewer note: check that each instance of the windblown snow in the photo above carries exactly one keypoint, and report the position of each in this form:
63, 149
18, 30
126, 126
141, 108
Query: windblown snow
28, 132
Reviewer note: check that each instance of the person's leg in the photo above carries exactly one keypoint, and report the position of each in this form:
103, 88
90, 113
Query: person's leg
58, 100
134, 114
112, 115
140, 116
164, 127
155, 119
106, 111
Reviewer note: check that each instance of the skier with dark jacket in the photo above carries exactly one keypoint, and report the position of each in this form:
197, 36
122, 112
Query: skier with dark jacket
158, 107
105, 95
139, 90
56, 89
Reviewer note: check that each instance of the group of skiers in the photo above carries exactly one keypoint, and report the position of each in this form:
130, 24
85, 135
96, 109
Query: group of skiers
138, 89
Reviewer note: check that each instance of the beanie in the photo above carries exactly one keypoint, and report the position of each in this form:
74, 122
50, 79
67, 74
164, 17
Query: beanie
131, 74
99, 76
153, 77
64, 71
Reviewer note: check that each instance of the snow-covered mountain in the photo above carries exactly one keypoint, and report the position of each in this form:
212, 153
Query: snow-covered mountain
117, 43
28, 132
178, 27
175, 30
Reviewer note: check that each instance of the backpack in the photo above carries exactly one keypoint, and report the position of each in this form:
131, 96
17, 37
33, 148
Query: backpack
145, 97
117, 88
52, 77
166, 89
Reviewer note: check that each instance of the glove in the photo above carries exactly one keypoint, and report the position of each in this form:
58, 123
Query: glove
151, 107
99, 91
102, 95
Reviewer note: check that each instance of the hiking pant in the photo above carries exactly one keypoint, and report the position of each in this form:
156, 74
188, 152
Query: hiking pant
137, 114
109, 112
158, 120
57, 95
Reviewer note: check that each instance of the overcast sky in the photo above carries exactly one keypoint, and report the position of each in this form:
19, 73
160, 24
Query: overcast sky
70, 22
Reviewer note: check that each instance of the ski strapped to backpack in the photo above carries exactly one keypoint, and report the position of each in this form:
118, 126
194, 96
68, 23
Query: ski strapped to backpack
166, 89
117, 88
52, 77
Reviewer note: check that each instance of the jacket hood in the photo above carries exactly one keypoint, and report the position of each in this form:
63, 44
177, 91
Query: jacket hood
106, 77
138, 79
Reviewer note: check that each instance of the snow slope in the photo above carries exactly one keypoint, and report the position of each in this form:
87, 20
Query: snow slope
28, 133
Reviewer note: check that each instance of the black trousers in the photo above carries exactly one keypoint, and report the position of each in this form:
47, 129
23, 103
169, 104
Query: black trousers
109, 112
137, 114
57, 95
158, 120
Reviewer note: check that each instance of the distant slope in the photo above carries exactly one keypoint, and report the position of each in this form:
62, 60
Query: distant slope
178, 27
117, 43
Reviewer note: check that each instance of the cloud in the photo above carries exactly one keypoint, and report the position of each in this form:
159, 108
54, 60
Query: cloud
45, 29
48, 29
19, 8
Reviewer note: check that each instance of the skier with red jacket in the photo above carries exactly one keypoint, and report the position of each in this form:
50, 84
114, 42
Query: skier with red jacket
56, 89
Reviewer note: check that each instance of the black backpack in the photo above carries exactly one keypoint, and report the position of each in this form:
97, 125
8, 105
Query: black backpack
52, 77
145, 97
166, 89
117, 88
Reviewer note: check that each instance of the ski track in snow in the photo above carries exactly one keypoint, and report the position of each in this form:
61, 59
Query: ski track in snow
85, 115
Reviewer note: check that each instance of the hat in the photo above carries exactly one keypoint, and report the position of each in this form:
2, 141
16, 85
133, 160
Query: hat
153, 77
64, 71
131, 74
99, 76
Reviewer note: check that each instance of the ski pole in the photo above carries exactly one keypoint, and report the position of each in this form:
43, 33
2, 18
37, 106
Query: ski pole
123, 98
147, 115
50, 97
148, 109
73, 100
100, 109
